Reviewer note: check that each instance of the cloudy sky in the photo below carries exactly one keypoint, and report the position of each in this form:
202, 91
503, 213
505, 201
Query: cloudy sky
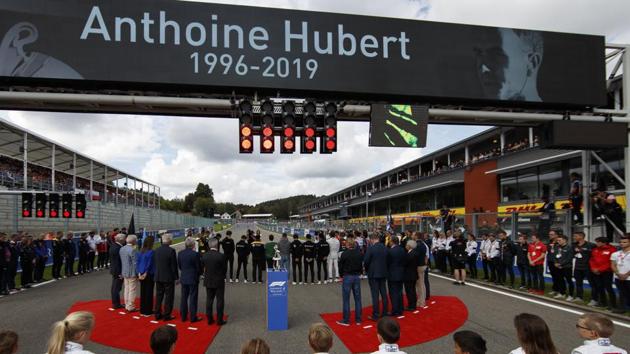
177, 152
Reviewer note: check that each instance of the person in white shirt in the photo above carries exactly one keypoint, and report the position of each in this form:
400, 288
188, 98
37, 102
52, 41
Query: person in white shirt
439, 249
597, 330
320, 338
620, 264
388, 334
471, 255
484, 248
69, 335
532, 332
449, 255
494, 257
333, 257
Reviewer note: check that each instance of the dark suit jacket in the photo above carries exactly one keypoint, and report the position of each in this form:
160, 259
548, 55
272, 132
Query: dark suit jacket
165, 261
189, 263
421, 253
214, 269
411, 268
395, 263
115, 267
375, 261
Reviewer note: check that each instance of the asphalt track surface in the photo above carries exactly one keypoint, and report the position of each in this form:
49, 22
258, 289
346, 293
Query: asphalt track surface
32, 312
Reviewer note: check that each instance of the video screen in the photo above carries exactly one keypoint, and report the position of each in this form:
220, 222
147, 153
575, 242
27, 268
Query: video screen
397, 125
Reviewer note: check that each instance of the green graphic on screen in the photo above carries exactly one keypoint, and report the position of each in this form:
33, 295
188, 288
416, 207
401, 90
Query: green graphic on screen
398, 125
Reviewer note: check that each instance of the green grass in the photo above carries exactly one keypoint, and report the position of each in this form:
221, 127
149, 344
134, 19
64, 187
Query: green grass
221, 227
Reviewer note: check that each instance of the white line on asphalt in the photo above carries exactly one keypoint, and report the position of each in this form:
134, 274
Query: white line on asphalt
538, 302
122, 313
43, 283
416, 312
172, 325
192, 328
136, 317
154, 321
366, 327
401, 317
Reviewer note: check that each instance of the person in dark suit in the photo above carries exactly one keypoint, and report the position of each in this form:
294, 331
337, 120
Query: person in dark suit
214, 265
395, 275
70, 252
165, 276
410, 276
190, 265
115, 269
375, 262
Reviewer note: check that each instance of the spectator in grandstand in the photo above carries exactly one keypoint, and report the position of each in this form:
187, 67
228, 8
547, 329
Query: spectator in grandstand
410, 274
41, 256
521, 261
297, 252
620, 263
395, 275
129, 271
471, 255
322, 250
351, 265
284, 246
309, 259
8, 342
146, 271
536, 252
547, 215
597, 330
84, 248
165, 259
70, 334
375, 263
388, 334
333, 257
320, 338
458, 254
581, 254
469, 342
189, 263
115, 269
255, 346
258, 259
615, 215
564, 267
602, 272
27, 261
533, 335
101, 250
163, 340
242, 252
214, 280
552, 250
228, 250
91, 250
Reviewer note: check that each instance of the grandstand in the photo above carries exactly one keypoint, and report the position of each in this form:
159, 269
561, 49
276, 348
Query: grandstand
33, 163
497, 172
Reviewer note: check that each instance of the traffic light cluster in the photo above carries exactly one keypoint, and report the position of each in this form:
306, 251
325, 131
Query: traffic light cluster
289, 120
51, 202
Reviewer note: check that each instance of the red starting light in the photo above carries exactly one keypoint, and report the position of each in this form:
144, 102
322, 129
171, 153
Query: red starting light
288, 132
309, 132
53, 213
26, 213
246, 131
288, 145
79, 214
40, 214
330, 132
268, 144
66, 214
267, 131
246, 144
330, 145
310, 144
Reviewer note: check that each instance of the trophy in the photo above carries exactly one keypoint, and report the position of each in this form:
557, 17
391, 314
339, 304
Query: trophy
276, 258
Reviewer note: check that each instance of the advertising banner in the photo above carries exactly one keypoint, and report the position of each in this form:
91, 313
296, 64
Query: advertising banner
220, 49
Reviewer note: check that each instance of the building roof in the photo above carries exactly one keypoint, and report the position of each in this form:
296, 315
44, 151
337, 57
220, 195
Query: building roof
257, 215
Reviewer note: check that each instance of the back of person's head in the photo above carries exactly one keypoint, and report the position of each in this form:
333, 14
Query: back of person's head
75, 326
163, 340
602, 239
320, 338
533, 334
270, 237
388, 330
255, 346
599, 324
8, 342
470, 342
147, 245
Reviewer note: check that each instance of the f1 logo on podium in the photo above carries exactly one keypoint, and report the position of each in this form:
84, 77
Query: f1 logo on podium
277, 283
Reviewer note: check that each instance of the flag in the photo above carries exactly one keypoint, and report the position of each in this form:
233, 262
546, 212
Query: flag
132, 227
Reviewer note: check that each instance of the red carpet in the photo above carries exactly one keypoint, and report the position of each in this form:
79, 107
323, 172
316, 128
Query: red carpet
132, 331
444, 315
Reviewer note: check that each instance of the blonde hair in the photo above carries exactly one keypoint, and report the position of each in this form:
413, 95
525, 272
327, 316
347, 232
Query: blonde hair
68, 329
320, 337
599, 324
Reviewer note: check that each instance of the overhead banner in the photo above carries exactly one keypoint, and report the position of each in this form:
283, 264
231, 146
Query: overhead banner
168, 45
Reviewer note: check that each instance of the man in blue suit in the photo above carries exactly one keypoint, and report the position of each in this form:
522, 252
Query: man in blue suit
375, 263
395, 275
189, 263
